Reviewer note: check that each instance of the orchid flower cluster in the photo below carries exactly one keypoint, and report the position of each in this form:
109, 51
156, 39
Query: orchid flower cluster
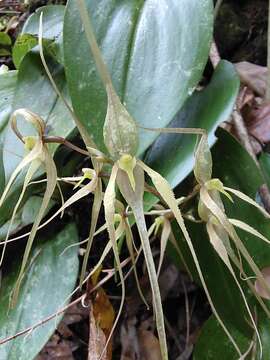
127, 174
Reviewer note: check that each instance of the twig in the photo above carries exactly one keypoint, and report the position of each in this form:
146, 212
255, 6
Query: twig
59, 312
31, 328
7, 12
60, 140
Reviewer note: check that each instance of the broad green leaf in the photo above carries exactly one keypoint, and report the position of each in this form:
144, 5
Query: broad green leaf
5, 44
23, 44
155, 51
212, 341
52, 22
25, 216
172, 155
35, 93
4, 39
7, 87
53, 16
48, 281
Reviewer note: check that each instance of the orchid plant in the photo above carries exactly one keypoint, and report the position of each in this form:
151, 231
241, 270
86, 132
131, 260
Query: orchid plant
125, 174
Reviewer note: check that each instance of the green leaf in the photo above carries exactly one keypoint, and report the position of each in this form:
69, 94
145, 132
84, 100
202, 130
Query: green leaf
4, 52
205, 109
7, 87
53, 16
25, 216
213, 342
35, 92
4, 39
49, 280
22, 46
5, 44
155, 51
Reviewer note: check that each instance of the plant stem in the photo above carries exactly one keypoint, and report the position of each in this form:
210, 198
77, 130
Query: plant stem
217, 7
141, 225
89, 32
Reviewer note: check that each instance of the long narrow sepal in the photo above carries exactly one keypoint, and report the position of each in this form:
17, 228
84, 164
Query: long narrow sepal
249, 229
225, 223
34, 166
247, 199
167, 194
94, 218
135, 201
51, 173
109, 207
218, 245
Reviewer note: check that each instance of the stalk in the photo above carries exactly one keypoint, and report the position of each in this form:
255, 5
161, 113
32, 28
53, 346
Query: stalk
140, 222
89, 32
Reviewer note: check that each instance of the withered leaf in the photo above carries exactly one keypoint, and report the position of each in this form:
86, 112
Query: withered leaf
253, 76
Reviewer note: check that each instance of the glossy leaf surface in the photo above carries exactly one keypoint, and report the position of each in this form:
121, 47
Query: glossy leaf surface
172, 155
213, 342
48, 281
155, 51
24, 217
7, 87
52, 25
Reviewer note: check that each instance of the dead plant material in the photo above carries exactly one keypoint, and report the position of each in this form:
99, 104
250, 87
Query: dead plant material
258, 121
58, 349
253, 76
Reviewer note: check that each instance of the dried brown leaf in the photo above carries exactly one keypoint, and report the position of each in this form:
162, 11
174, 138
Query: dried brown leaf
97, 339
259, 287
253, 76
101, 320
57, 349
258, 122
149, 345
129, 340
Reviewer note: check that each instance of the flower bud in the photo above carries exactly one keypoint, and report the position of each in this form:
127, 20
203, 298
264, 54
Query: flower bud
120, 130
